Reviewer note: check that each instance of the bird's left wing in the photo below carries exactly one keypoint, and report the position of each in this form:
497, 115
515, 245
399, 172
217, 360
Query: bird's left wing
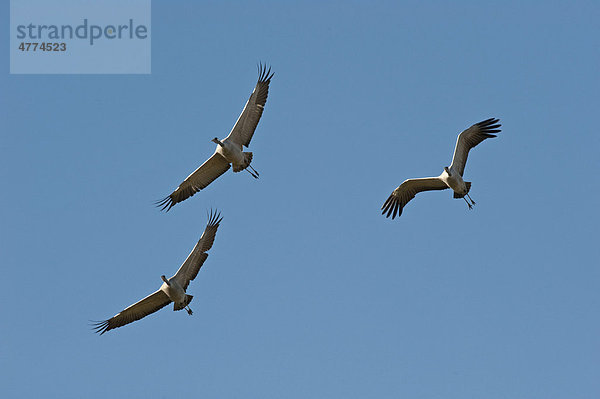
138, 310
407, 191
189, 269
244, 128
469, 138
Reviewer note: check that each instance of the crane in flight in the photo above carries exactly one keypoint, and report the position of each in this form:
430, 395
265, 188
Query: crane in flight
172, 289
229, 151
451, 177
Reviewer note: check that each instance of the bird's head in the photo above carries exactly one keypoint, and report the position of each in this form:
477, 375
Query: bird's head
165, 279
217, 141
447, 171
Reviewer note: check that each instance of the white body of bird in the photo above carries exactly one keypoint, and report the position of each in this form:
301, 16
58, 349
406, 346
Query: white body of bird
175, 292
454, 181
233, 153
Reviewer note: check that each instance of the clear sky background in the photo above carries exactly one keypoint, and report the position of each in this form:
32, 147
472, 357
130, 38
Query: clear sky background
308, 291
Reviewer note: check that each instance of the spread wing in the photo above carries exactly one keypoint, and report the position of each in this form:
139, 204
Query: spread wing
138, 310
189, 269
407, 191
214, 167
244, 128
469, 139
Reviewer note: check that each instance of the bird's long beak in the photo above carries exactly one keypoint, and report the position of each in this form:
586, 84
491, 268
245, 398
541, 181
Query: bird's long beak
165, 280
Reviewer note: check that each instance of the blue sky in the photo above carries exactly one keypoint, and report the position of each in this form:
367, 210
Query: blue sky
308, 292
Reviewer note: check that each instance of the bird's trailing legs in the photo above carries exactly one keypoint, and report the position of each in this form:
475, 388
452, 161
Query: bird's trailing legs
189, 310
469, 204
252, 171
472, 202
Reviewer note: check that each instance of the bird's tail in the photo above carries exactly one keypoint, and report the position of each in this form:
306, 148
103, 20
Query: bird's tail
468, 184
244, 164
188, 299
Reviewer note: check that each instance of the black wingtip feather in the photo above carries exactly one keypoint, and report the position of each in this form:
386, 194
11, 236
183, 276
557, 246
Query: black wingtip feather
392, 207
488, 121
388, 207
397, 211
165, 203
385, 205
100, 327
214, 218
491, 123
489, 126
264, 74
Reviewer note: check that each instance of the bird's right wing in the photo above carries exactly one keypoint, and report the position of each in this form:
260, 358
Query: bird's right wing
214, 167
407, 191
189, 269
138, 310
469, 138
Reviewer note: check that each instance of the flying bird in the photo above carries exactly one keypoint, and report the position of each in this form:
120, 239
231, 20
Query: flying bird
172, 289
229, 150
451, 177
